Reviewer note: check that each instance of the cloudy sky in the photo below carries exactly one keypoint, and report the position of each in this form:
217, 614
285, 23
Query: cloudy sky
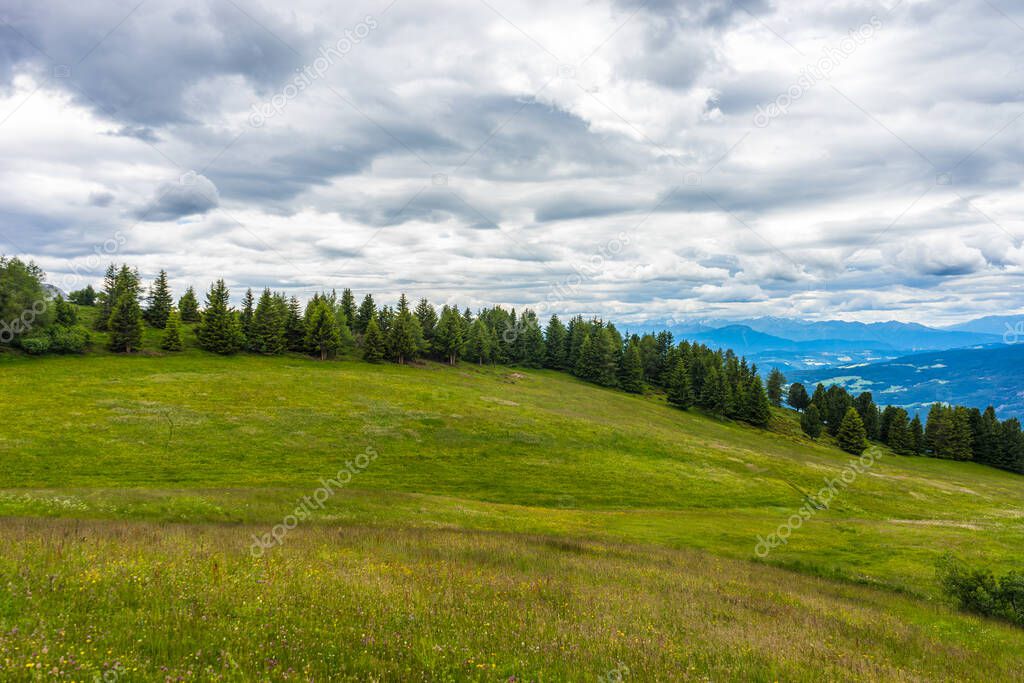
639, 160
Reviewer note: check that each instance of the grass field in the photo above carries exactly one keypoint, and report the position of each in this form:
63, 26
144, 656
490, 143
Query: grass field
513, 523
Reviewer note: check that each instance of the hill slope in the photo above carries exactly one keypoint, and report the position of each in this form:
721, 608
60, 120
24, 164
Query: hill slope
201, 439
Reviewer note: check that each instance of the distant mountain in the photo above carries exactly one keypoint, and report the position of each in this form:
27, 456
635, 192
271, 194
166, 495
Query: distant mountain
1008, 326
976, 377
745, 339
905, 337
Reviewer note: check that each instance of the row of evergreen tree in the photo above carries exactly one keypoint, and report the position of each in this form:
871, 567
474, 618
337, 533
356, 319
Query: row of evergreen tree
716, 381
949, 432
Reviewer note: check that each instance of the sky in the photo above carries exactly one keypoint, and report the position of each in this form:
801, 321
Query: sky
641, 161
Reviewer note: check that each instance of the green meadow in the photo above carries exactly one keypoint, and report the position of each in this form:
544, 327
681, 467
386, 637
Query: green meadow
514, 525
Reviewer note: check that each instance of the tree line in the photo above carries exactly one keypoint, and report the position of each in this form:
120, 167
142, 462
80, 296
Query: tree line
690, 374
948, 432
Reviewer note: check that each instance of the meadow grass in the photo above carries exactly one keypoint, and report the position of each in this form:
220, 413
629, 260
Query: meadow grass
485, 464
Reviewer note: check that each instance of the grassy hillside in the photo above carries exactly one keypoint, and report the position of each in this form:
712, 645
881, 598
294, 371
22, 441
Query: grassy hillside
227, 447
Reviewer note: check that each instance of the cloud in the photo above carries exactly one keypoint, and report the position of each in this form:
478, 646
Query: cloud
190, 195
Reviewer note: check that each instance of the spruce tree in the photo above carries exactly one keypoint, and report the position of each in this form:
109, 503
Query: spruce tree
851, 435
533, 353
348, 307
373, 342
64, 313
680, 391
125, 323
268, 326
554, 343
245, 318
159, 302
188, 307
478, 346
295, 327
405, 339
758, 409
776, 380
917, 435
367, 309
321, 328
220, 330
427, 317
631, 374
448, 339
898, 436
810, 421
107, 298
798, 397
172, 333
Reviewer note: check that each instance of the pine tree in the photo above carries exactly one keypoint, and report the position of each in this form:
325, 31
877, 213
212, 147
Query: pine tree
898, 436
533, 353
810, 421
631, 374
172, 333
348, 307
373, 342
107, 298
188, 307
917, 435
295, 327
125, 323
776, 380
478, 346
367, 309
427, 317
680, 390
868, 411
851, 435
757, 409
245, 318
554, 342
64, 314
159, 302
798, 397
268, 325
405, 339
935, 431
448, 340
321, 328
220, 330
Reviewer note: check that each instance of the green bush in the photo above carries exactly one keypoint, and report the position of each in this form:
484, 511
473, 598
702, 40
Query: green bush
981, 592
36, 344
68, 339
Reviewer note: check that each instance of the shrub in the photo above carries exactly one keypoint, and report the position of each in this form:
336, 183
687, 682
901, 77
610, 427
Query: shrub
981, 592
68, 339
36, 344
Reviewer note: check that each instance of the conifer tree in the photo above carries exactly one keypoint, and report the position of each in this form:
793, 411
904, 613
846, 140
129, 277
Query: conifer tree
532, 353
321, 328
188, 307
295, 327
125, 323
64, 314
268, 325
367, 309
776, 380
373, 342
680, 390
917, 435
631, 374
868, 411
245, 318
427, 317
159, 302
478, 346
758, 409
554, 343
108, 297
898, 436
220, 330
448, 340
348, 308
798, 397
810, 421
172, 333
405, 339
851, 435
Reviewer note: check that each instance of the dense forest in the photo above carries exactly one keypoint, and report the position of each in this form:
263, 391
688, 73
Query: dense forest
330, 326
